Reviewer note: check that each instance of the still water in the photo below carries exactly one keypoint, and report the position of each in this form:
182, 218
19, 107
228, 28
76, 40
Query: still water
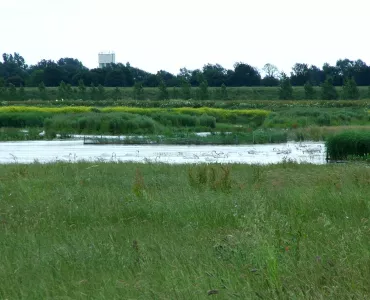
75, 150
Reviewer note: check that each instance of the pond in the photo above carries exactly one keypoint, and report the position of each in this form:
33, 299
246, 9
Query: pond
74, 150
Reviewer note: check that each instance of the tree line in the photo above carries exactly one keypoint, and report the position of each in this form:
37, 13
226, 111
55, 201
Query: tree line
71, 71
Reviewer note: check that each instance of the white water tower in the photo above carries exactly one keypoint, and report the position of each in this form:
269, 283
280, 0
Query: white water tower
106, 58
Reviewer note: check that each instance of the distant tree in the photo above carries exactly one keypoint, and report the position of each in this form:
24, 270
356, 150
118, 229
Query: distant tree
53, 74
42, 91
169, 79
116, 94
115, 78
138, 91
350, 89
13, 69
203, 90
2, 88
16, 80
163, 93
12, 91
70, 67
175, 93
101, 92
214, 74
185, 89
309, 91
93, 92
62, 90
316, 75
81, 89
245, 75
271, 70
361, 72
3, 93
269, 81
71, 93
300, 74
223, 92
285, 89
97, 76
345, 68
196, 77
334, 73
22, 93
152, 81
36, 77
185, 74
328, 91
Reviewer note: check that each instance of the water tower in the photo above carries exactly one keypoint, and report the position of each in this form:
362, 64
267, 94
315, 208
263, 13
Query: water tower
106, 58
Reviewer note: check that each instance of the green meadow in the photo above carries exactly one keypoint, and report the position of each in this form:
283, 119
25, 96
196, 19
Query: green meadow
154, 231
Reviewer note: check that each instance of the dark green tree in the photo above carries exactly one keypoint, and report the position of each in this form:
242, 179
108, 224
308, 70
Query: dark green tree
53, 74
175, 93
93, 92
22, 93
81, 90
163, 93
101, 92
203, 90
12, 91
332, 72
36, 77
350, 89
71, 93
223, 92
245, 75
300, 74
42, 91
214, 74
309, 91
62, 90
185, 89
328, 91
285, 88
271, 75
138, 92
115, 78
2, 89
116, 94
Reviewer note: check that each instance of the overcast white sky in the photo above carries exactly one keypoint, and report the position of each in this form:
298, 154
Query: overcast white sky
171, 34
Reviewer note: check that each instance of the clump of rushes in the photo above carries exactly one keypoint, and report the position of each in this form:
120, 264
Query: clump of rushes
349, 143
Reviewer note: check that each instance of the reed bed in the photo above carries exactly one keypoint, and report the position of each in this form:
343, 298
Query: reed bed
348, 144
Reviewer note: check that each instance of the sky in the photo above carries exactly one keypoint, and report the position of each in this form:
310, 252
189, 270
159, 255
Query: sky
171, 34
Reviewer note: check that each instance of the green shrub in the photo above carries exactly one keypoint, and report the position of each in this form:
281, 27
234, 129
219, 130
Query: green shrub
21, 120
112, 123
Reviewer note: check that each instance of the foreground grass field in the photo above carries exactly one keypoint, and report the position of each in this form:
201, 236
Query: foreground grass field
129, 231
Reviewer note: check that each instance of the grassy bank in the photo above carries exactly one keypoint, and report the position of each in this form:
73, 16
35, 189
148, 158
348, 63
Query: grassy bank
303, 123
176, 103
233, 93
113, 231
